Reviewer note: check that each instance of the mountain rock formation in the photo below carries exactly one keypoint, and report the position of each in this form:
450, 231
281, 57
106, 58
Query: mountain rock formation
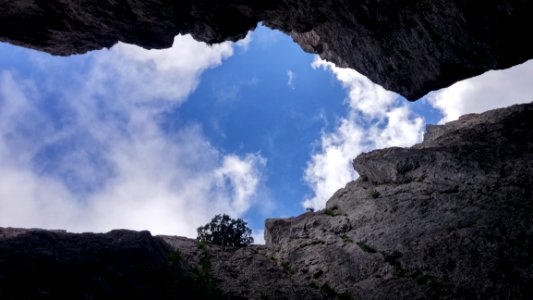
410, 47
449, 218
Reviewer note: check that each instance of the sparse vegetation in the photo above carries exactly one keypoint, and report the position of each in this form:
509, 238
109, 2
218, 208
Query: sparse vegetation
393, 260
328, 292
317, 274
174, 258
365, 247
332, 212
203, 278
374, 194
346, 238
225, 231
201, 245
318, 242
198, 284
287, 267
329, 212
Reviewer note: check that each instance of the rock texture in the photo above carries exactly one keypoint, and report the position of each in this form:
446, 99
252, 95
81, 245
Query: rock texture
410, 47
450, 218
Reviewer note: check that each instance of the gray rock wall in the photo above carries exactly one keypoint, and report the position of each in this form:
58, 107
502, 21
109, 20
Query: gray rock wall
450, 218
410, 47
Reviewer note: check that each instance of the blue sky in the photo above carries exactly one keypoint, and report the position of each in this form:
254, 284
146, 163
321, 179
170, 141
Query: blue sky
164, 139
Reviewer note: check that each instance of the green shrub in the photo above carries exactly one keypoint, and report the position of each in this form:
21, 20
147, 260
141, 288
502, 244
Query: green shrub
287, 267
346, 238
225, 231
365, 247
374, 194
174, 258
329, 212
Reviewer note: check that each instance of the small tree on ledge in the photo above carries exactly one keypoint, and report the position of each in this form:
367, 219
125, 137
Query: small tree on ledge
225, 231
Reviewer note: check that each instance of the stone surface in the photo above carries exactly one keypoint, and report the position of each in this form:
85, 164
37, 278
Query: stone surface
408, 47
449, 218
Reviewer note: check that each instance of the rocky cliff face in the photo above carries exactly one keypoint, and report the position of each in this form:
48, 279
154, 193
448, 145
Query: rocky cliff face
410, 47
450, 218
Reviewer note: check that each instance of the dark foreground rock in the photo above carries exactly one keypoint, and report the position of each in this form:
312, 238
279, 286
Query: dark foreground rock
450, 218
410, 47
123, 264
57, 265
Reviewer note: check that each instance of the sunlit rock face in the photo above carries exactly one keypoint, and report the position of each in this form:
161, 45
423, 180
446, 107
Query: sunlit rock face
449, 218
408, 47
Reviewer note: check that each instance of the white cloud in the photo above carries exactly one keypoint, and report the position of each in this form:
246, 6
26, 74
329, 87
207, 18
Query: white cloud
402, 129
259, 237
490, 90
244, 44
134, 74
290, 79
364, 96
374, 120
117, 166
330, 168
242, 176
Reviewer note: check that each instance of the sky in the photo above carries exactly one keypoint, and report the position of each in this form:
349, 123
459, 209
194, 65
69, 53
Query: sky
163, 140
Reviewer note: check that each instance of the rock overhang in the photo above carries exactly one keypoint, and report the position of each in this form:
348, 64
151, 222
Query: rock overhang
407, 47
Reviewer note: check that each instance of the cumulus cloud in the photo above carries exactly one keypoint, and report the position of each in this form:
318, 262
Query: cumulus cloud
490, 90
136, 75
104, 160
375, 119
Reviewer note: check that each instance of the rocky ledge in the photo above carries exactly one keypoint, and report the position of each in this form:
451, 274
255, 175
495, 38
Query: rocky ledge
410, 47
449, 218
